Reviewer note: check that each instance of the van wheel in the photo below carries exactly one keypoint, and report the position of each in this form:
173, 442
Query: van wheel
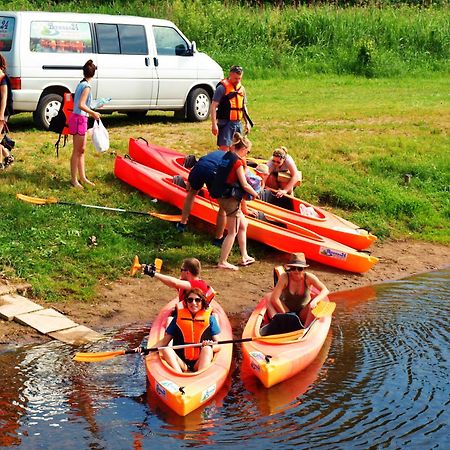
198, 105
47, 108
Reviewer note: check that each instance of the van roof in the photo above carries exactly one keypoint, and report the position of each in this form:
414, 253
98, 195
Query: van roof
44, 15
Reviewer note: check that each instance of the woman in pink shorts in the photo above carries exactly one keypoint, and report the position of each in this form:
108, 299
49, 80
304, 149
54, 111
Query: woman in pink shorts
78, 123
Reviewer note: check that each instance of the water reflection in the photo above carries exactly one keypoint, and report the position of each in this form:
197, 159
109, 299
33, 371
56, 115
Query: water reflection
380, 381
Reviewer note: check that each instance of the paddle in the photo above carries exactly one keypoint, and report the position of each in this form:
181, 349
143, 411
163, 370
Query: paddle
321, 310
137, 266
53, 201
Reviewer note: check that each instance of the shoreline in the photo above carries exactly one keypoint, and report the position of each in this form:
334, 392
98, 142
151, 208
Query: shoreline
138, 300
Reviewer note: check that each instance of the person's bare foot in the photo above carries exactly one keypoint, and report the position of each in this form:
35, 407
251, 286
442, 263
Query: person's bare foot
76, 185
227, 265
88, 182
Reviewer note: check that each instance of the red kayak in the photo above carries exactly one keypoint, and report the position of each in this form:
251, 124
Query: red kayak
301, 213
291, 239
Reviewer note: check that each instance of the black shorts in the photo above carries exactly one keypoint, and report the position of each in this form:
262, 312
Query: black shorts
198, 177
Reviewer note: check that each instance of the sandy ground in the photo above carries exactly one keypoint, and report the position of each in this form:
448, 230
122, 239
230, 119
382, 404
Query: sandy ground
138, 300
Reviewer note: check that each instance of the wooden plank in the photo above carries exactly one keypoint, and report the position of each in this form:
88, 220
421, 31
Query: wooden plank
46, 321
77, 335
12, 305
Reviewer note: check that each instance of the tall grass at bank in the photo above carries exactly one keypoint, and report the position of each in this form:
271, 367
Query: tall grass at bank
354, 139
372, 41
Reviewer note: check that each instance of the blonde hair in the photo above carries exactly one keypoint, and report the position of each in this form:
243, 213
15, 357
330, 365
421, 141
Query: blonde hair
240, 141
280, 152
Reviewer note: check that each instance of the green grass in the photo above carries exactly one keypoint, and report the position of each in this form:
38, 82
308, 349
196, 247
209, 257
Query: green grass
354, 139
377, 39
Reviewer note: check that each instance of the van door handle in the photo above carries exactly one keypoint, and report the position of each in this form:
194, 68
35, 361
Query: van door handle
147, 61
155, 61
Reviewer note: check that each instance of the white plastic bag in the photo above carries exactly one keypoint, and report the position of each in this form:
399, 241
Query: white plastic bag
100, 136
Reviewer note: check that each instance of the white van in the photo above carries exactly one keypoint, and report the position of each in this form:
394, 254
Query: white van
142, 63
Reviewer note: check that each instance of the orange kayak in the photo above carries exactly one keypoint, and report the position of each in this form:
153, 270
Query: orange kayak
294, 238
273, 362
300, 213
186, 392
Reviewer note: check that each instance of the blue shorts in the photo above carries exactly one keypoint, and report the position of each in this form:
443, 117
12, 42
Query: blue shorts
199, 176
227, 130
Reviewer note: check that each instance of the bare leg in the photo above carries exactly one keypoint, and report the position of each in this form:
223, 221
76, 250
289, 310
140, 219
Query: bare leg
81, 164
206, 356
174, 360
227, 245
187, 206
75, 158
220, 224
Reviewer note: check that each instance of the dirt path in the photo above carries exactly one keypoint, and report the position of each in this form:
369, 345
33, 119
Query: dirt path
138, 300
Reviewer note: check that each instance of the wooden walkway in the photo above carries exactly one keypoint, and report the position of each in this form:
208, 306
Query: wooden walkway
14, 306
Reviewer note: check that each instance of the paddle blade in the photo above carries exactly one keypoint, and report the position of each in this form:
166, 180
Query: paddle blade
36, 200
158, 264
167, 217
136, 266
96, 357
324, 309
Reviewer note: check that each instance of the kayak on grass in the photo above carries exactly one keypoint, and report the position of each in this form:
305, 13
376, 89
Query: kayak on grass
288, 208
291, 239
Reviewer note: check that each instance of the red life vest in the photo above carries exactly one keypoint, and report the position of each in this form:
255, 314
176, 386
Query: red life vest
67, 110
193, 329
231, 106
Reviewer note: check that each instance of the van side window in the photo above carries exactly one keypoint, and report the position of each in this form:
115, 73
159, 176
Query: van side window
6, 33
170, 42
60, 37
121, 39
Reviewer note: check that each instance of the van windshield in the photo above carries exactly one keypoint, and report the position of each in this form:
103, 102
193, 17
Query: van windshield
6, 33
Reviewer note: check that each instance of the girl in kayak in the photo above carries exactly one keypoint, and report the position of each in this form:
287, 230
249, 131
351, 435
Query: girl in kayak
292, 293
193, 323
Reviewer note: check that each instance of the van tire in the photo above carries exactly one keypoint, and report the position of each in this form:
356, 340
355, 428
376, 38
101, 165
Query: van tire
47, 107
198, 105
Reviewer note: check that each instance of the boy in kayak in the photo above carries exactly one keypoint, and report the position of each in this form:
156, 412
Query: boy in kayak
292, 292
193, 323
189, 278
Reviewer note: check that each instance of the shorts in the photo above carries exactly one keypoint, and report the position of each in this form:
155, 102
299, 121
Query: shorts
231, 206
190, 364
227, 130
198, 176
78, 124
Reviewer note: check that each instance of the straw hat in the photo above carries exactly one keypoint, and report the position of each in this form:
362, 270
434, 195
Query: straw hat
262, 168
297, 260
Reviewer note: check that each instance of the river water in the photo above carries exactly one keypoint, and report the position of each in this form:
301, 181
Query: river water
380, 381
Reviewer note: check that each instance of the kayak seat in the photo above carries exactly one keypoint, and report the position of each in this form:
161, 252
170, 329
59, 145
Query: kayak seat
282, 323
283, 202
179, 181
189, 161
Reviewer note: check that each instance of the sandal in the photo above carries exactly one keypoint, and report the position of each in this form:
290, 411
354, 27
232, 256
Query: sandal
247, 261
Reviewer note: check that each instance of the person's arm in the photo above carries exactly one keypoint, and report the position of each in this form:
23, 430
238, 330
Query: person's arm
274, 300
213, 113
161, 343
3, 98
243, 182
84, 107
173, 282
248, 124
312, 280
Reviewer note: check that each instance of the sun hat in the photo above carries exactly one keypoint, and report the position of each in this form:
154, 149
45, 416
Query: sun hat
297, 260
262, 168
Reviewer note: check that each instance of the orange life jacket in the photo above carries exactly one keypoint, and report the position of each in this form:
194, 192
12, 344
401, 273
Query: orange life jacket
67, 109
193, 329
231, 106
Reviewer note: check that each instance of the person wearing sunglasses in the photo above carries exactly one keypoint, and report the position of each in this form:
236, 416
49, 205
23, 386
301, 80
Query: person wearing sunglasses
282, 163
193, 323
228, 109
292, 292
189, 278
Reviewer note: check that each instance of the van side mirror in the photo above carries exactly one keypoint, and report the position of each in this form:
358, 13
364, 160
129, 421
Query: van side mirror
193, 48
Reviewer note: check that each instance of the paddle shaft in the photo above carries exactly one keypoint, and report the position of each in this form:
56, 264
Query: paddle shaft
106, 208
